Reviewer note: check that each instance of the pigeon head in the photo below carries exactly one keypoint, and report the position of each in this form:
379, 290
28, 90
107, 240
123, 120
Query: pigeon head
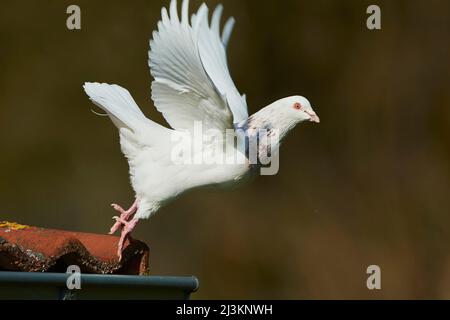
296, 109
283, 115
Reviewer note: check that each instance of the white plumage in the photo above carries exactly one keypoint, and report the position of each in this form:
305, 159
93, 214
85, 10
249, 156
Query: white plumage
192, 83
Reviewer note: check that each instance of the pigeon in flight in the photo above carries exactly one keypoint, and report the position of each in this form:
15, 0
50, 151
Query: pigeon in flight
192, 85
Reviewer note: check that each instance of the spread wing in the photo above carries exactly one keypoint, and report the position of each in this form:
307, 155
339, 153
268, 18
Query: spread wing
191, 78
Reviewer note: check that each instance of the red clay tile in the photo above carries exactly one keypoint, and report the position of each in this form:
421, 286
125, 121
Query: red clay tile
28, 248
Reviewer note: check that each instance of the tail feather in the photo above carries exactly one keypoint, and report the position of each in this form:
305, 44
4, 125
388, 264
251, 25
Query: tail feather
117, 102
135, 129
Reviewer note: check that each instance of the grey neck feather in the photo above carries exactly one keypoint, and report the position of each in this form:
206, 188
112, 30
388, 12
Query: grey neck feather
266, 121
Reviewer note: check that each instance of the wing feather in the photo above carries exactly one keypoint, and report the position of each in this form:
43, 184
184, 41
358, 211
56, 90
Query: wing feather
189, 67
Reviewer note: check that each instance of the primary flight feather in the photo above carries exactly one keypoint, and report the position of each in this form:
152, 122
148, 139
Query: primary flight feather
192, 87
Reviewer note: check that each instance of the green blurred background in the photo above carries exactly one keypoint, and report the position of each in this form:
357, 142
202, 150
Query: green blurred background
369, 185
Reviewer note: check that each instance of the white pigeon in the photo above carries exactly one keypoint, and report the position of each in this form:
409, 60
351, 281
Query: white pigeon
192, 84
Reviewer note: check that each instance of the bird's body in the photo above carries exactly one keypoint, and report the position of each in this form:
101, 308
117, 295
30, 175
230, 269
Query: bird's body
157, 180
194, 91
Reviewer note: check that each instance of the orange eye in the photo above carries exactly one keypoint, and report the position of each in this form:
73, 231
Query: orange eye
297, 106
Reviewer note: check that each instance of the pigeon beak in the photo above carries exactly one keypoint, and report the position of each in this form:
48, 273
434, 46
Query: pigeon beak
314, 118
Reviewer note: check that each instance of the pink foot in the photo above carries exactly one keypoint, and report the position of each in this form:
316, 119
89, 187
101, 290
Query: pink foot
126, 230
125, 215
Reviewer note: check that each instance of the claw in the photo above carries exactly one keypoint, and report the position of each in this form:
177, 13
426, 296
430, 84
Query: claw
124, 221
120, 220
117, 207
126, 231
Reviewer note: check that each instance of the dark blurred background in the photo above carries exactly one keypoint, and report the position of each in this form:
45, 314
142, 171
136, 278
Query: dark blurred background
369, 185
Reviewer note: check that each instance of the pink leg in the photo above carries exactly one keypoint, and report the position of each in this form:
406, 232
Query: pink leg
125, 215
126, 230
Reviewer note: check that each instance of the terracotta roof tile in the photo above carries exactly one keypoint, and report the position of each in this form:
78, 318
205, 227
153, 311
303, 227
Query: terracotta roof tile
28, 248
